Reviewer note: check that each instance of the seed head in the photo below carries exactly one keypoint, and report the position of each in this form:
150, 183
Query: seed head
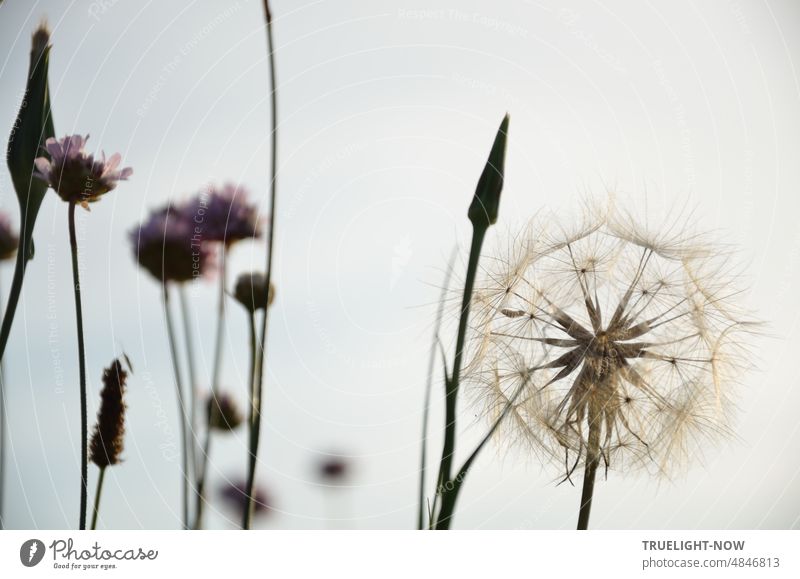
612, 336
107, 439
251, 291
223, 412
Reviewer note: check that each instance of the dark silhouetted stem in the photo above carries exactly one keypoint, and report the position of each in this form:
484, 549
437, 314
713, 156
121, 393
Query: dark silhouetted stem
73, 243
254, 427
428, 388
445, 484
590, 471
13, 295
205, 457
3, 438
182, 407
97, 496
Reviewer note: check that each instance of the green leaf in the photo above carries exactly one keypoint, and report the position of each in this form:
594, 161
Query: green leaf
486, 203
33, 126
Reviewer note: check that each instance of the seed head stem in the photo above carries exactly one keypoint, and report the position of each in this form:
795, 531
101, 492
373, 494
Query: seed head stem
590, 470
97, 497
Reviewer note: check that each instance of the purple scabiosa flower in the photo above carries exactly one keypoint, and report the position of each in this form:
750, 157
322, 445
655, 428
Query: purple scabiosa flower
223, 214
9, 240
76, 175
235, 495
168, 246
223, 412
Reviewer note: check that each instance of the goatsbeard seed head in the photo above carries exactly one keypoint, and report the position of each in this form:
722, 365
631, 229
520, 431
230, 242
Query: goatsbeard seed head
612, 328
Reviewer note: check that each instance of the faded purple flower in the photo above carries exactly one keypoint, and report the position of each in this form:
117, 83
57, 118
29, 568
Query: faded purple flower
223, 214
170, 248
235, 494
333, 469
76, 175
9, 240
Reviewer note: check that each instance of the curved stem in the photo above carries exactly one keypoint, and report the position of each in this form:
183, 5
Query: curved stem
259, 366
204, 458
14, 293
444, 484
97, 496
5, 331
73, 243
181, 405
254, 427
590, 471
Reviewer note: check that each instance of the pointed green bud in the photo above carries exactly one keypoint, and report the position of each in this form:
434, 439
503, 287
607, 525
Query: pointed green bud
486, 203
33, 126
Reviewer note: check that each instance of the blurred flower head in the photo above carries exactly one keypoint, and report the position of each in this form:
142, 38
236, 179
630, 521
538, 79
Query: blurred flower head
234, 493
107, 439
251, 291
333, 469
169, 247
75, 174
610, 339
9, 240
223, 412
223, 214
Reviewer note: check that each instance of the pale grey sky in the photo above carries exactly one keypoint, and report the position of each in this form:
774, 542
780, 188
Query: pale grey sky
387, 111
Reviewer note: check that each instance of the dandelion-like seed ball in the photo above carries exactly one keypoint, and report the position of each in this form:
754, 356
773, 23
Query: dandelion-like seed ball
610, 345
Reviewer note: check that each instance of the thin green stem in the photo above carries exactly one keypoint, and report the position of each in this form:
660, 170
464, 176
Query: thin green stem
3, 436
259, 366
192, 390
181, 405
73, 243
254, 427
421, 511
448, 449
205, 457
589, 471
455, 485
97, 496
